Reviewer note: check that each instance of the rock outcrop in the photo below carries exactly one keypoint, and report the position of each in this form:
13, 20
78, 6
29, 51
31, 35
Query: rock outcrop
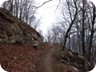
73, 59
12, 30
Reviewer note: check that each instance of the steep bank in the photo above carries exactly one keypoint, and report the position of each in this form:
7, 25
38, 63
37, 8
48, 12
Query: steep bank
12, 30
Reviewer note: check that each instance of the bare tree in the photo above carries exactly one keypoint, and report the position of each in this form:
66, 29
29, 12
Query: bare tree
78, 27
72, 18
23, 9
92, 32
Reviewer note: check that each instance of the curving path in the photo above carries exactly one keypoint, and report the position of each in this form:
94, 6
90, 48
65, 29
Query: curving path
48, 61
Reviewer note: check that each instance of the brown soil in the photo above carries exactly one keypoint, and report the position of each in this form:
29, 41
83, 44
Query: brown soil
48, 61
25, 58
19, 58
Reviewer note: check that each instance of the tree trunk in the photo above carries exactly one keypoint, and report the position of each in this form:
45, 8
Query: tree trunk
91, 36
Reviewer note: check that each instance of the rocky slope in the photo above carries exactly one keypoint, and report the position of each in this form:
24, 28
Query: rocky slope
72, 61
14, 31
18, 43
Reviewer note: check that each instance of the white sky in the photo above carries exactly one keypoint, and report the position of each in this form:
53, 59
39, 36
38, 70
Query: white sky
1, 1
47, 13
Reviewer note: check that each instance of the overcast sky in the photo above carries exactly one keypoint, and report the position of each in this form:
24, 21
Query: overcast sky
47, 13
1, 1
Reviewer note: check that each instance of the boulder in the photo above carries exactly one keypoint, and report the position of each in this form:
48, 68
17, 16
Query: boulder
75, 59
12, 30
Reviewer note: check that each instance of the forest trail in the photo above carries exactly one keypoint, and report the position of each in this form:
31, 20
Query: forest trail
48, 61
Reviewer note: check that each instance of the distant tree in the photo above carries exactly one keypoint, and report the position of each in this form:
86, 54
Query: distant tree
19, 8
73, 12
24, 10
77, 27
92, 31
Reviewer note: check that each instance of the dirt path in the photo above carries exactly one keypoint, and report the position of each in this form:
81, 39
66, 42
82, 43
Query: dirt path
48, 61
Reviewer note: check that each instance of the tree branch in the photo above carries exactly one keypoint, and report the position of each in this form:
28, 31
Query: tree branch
41, 4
